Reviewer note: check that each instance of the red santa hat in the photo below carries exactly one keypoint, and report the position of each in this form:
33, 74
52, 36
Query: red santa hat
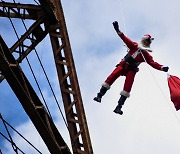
147, 37
142, 46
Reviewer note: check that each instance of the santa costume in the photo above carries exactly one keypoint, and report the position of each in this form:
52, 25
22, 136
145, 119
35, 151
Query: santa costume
128, 66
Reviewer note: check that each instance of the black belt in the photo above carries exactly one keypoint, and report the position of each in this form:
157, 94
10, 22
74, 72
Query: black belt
131, 61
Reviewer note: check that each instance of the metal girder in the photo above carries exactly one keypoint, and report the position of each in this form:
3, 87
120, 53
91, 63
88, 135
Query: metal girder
28, 41
55, 25
31, 102
48, 8
17, 10
75, 114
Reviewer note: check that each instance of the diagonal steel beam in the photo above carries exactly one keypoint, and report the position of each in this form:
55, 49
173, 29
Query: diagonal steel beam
31, 102
75, 114
33, 36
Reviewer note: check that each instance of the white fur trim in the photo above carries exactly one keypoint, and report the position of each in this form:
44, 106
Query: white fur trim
140, 46
162, 67
125, 93
145, 37
106, 85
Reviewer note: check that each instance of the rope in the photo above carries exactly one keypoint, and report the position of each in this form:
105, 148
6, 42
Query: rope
36, 2
10, 142
28, 60
6, 123
38, 87
51, 88
57, 103
15, 148
124, 23
44, 74
35, 76
122, 14
161, 90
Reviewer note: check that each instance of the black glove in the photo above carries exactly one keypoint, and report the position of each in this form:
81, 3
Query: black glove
117, 65
165, 69
116, 26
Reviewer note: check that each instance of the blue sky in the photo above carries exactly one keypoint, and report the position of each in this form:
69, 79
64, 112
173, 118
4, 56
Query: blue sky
149, 124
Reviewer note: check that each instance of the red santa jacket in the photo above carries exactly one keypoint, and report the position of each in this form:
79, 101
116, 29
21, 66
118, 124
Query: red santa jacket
136, 50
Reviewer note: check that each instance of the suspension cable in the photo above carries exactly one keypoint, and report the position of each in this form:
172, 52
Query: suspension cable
15, 148
161, 90
38, 87
28, 60
149, 69
51, 89
35, 2
57, 103
29, 63
5, 122
11, 142
123, 19
31, 67
59, 108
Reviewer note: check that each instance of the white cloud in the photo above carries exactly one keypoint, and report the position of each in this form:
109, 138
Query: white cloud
29, 132
149, 124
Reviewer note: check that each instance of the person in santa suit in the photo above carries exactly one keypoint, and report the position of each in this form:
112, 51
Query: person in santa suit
128, 66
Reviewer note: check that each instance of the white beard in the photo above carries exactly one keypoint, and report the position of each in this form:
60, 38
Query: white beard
143, 47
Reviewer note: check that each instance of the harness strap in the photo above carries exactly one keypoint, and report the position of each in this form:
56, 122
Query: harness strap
131, 61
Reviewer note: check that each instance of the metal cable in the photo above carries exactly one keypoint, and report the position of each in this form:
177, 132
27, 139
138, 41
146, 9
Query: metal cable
57, 103
178, 120
36, 79
38, 87
36, 2
10, 138
44, 74
18, 133
51, 89
30, 64
31, 72
10, 142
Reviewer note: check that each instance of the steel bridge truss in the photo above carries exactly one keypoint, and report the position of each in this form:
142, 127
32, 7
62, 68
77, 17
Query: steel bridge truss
49, 14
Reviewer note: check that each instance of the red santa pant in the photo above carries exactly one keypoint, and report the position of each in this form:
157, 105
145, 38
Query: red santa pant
123, 70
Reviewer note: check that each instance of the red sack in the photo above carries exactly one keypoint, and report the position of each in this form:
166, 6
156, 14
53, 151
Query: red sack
174, 87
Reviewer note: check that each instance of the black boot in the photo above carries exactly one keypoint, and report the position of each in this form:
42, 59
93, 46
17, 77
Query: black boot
120, 104
100, 94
